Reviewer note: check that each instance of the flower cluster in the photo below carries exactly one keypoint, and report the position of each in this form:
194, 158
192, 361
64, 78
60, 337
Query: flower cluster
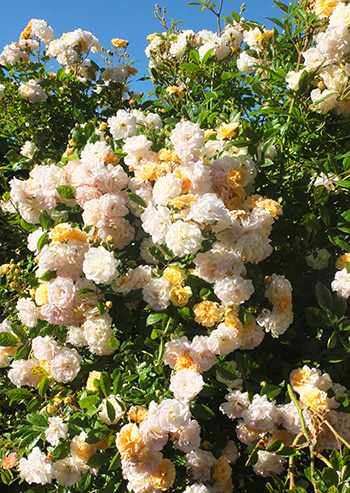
264, 420
328, 60
341, 283
177, 46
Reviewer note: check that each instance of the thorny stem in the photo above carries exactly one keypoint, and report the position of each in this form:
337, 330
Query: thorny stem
218, 16
335, 433
300, 413
321, 457
306, 434
291, 462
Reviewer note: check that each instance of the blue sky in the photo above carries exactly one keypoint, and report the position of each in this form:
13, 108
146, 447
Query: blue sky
127, 19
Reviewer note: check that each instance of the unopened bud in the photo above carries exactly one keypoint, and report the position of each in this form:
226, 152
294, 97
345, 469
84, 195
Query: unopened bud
109, 304
50, 409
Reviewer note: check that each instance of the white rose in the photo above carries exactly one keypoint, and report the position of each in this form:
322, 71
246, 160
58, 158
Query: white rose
100, 265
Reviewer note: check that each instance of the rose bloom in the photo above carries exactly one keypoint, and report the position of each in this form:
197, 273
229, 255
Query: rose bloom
172, 414
118, 406
199, 462
61, 292
66, 365
36, 469
179, 296
312, 397
260, 414
268, 464
80, 450
207, 313
186, 384
318, 259
187, 438
184, 238
129, 441
9, 461
154, 437
100, 265
341, 283
302, 377
174, 274
28, 312
164, 476
197, 488
67, 471
32, 91
237, 403
93, 375
224, 340
57, 429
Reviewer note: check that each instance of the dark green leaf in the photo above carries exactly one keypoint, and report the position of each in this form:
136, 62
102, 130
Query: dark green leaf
110, 411
137, 199
105, 384
95, 436
323, 296
44, 386
45, 221
330, 477
66, 192
8, 340
48, 275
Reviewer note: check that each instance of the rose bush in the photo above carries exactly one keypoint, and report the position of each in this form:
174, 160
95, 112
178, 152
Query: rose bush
175, 272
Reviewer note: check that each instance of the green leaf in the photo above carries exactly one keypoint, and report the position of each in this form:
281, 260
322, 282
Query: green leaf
19, 331
44, 385
84, 483
113, 343
85, 291
115, 462
8, 340
45, 221
153, 318
19, 394
48, 275
23, 352
226, 371
101, 307
276, 446
27, 226
330, 477
137, 199
99, 459
37, 420
97, 435
336, 460
61, 451
185, 313
110, 411
316, 317
192, 67
66, 192
89, 401
323, 296
194, 55
43, 240
117, 384
339, 306
207, 56
105, 384
332, 341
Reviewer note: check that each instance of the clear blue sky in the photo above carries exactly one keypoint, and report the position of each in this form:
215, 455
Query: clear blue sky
127, 19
